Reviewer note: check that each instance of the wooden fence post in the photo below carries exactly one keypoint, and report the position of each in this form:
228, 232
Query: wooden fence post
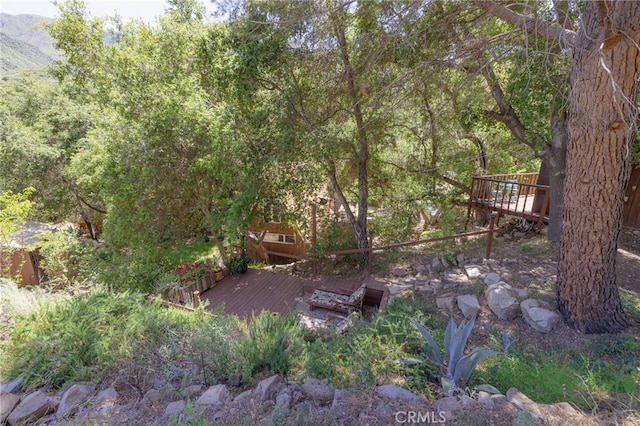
490, 234
196, 299
370, 254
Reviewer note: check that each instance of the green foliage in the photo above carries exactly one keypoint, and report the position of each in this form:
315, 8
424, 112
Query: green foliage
274, 345
66, 259
14, 209
78, 339
239, 264
458, 368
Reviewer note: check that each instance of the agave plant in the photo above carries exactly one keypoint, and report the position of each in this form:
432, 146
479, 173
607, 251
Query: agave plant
456, 367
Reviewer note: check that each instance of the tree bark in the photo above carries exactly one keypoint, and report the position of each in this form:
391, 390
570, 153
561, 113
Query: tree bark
602, 120
556, 163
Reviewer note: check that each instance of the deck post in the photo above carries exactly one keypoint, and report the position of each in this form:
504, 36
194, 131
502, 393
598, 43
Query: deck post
490, 234
370, 254
196, 299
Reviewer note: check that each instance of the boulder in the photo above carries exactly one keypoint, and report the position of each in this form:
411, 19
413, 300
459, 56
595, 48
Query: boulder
318, 390
12, 386
32, 408
502, 301
8, 401
191, 391
283, 400
399, 272
151, 398
468, 305
420, 269
215, 395
472, 271
437, 265
539, 318
73, 398
446, 302
268, 388
174, 409
492, 278
108, 395
397, 393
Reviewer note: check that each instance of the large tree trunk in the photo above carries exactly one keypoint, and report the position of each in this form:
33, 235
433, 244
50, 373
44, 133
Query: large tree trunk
602, 121
555, 161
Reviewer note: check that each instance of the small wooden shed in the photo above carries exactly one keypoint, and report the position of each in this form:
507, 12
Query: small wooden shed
22, 256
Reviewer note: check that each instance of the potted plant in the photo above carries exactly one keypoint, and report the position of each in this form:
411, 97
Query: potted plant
239, 264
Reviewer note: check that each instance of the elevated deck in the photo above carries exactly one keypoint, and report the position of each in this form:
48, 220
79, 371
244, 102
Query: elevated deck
511, 194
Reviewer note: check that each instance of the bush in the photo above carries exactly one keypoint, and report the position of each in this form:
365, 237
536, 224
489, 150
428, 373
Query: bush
66, 259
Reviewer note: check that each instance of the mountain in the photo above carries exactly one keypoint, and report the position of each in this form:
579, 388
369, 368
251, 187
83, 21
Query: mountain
23, 45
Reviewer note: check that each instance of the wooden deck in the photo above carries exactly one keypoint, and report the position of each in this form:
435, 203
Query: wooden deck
514, 195
257, 290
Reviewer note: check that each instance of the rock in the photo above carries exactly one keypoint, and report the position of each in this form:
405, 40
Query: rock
539, 318
410, 281
340, 404
397, 393
419, 269
174, 409
437, 265
521, 293
108, 395
31, 408
501, 301
492, 278
283, 400
268, 388
190, 391
8, 401
446, 302
318, 390
75, 396
523, 403
461, 258
243, 399
394, 289
448, 403
472, 271
436, 284
384, 411
485, 400
151, 398
518, 234
12, 386
399, 272
215, 395
468, 305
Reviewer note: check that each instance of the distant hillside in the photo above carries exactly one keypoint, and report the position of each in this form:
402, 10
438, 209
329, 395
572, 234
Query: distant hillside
23, 45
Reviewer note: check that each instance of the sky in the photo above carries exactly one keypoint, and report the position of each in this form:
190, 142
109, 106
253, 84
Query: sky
146, 10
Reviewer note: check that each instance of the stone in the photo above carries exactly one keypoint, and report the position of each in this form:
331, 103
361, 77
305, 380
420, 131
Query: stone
108, 395
501, 301
449, 403
397, 393
484, 399
8, 401
384, 411
151, 398
243, 398
340, 404
73, 398
268, 388
521, 293
436, 284
522, 402
446, 302
318, 390
190, 391
174, 409
420, 269
394, 289
539, 318
461, 258
215, 395
436, 265
12, 386
472, 271
399, 272
283, 400
492, 278
468, 305
31, 408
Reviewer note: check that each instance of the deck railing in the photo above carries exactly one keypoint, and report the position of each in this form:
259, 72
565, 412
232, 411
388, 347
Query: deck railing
511, 194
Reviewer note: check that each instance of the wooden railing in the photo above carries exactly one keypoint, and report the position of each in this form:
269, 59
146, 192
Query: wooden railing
511, 194
314, 258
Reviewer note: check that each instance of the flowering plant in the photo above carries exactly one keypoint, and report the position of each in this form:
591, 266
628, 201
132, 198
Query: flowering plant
188, 273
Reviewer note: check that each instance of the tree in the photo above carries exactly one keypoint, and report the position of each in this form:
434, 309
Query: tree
602, 122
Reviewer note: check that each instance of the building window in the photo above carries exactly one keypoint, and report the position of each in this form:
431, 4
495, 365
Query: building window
280, 238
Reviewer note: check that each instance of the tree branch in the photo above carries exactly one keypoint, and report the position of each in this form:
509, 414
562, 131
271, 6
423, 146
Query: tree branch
532, 26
